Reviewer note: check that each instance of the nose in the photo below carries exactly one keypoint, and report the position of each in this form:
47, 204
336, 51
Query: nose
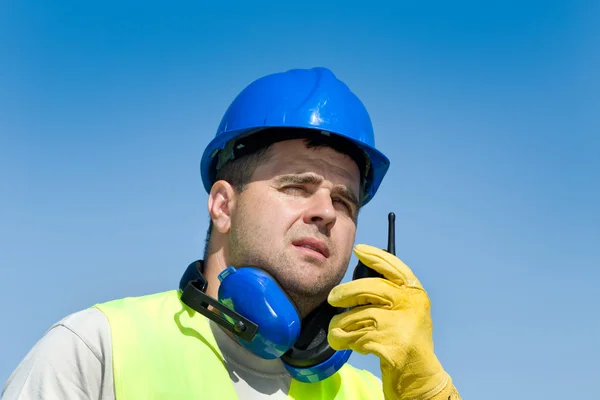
320, 211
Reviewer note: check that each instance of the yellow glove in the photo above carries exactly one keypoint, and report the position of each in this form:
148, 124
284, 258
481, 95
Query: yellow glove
391, 319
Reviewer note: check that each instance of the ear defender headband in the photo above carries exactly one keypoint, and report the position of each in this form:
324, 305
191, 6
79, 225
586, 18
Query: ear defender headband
262, 317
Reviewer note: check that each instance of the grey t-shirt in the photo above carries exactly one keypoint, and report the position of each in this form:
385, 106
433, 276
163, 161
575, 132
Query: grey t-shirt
73, 360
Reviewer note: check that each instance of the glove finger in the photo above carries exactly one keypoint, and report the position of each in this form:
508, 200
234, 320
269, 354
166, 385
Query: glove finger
359, 341
347, 328
390, 266
355, 319
363, 330
339, 339
375, 291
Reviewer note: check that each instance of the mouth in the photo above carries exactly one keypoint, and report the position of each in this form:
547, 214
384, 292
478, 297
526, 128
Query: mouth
313, 247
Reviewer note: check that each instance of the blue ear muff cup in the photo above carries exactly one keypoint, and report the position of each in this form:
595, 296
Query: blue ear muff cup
256, 295
303, 347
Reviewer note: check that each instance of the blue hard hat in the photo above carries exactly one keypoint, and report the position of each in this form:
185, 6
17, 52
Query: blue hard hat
299, 98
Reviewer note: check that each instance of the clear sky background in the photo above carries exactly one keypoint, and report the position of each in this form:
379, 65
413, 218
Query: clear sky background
489, 112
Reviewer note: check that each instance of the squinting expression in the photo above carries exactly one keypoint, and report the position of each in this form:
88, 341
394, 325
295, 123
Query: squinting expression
297, 220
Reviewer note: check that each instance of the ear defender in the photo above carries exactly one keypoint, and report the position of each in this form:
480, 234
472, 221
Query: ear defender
265, 321
254, 307
256, 295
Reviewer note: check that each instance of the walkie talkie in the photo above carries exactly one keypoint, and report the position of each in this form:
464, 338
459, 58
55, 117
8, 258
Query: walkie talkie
361, 270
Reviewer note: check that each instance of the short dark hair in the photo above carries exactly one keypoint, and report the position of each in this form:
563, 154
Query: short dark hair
243, 157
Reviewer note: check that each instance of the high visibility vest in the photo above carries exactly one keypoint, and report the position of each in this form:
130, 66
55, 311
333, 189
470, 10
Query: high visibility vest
162, 349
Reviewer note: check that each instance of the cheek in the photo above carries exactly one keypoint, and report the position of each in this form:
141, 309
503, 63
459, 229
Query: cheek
346, 235
283, 211
275, 216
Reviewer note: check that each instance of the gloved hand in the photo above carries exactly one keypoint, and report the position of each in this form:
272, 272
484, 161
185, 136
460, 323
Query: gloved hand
391, 319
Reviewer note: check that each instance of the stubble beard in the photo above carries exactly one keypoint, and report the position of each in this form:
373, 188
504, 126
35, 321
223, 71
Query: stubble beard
306, 291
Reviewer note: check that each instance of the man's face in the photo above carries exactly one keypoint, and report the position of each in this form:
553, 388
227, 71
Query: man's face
297, 220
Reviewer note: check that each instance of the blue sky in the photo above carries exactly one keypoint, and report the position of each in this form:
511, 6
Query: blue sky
488, 111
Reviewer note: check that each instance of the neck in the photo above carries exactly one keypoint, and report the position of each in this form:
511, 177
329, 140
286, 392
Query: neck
214, 263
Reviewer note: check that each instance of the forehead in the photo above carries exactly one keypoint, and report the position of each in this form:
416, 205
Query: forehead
292, 156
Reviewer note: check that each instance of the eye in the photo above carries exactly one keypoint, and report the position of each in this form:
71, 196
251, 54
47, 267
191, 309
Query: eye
344, 203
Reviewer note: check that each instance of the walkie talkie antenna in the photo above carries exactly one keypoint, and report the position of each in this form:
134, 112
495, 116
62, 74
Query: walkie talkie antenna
361, 270
391, 247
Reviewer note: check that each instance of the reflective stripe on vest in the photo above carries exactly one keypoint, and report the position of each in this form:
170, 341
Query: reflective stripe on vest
164, 350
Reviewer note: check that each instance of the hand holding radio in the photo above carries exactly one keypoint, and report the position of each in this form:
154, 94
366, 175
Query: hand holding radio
390, 318
384, 311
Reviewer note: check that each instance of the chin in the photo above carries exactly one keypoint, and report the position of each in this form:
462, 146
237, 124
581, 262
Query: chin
308, 287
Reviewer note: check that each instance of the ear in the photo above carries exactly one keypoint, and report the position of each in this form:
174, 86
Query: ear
220, 204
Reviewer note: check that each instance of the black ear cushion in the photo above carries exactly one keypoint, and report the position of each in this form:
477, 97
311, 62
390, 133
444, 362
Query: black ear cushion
312, 347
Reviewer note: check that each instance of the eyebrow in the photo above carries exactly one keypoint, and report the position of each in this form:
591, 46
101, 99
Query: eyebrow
311, 179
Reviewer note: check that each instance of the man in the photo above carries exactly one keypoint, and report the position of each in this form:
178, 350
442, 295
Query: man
291, 165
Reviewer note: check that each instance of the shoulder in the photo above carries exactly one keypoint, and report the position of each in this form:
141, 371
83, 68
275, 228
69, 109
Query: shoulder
89, 326
73, 355
84, 332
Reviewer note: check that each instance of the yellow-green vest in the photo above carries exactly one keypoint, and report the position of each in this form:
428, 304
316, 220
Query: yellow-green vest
162, 349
